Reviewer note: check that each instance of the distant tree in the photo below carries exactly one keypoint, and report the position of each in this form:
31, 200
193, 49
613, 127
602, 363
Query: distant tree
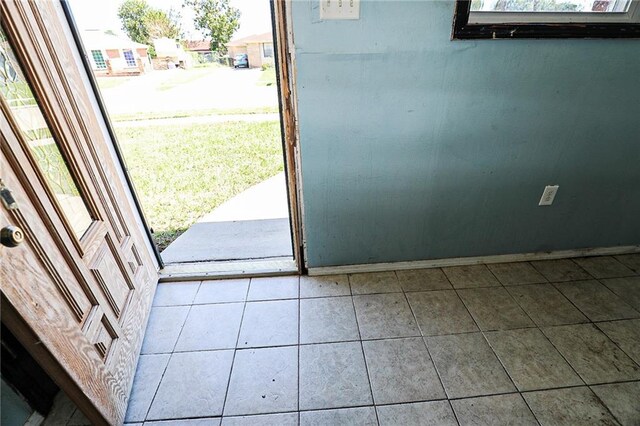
143, 24
159, 24
132, 14
216, 19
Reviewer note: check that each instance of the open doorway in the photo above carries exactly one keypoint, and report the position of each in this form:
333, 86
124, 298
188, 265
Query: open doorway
194, 105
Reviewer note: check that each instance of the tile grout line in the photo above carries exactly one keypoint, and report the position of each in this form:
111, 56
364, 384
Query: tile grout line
615, 343
633, 308
358, 294
174, 419
570, 260
604, 405
546, 280
455, 415
235, 350
600, 280
518, 391
552, 344
341, 407
616, 256
413, 336
536, 327
424, 342
506, 290
573, 259
298, 347
155, 393
164, 370
589, 320
364, 357
563, 355
504, 369
299, 344
483, 332
560, 293
602, 402
557, 284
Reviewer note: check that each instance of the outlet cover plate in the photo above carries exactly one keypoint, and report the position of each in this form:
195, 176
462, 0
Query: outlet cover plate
548, 195
339, 9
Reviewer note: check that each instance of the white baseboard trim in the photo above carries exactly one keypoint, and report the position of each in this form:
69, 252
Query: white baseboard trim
459, 261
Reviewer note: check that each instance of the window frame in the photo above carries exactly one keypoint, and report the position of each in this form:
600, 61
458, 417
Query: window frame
264, 50
594, 27
130, 64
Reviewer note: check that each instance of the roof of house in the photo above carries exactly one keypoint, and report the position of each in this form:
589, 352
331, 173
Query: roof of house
98, 39
256, 38
199, 45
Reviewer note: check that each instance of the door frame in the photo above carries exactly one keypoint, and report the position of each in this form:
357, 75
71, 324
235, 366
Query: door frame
284, 52
284, 59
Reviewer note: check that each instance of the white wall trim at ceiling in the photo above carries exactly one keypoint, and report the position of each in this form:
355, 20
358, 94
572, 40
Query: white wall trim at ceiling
459, 261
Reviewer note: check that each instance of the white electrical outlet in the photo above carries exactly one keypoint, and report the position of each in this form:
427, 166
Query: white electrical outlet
339, 9
548, 195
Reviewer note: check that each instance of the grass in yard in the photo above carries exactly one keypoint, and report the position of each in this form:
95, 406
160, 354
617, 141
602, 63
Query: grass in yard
267, 77
184, 172
193, 113
111, 82
208, 65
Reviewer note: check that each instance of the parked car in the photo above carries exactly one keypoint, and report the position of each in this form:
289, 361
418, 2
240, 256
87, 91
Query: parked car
241, 61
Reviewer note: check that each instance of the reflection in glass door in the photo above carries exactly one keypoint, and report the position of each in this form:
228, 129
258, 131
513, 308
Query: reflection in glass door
21, 104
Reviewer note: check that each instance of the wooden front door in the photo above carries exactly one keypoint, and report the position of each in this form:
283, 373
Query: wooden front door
78, 289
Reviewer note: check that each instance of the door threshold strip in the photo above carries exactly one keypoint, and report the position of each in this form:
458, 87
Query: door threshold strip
228, 269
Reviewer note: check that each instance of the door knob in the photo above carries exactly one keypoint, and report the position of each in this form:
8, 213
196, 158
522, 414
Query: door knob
11, 236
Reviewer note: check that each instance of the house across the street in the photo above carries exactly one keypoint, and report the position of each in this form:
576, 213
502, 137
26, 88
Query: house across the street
202, 48
111, 54
258, 47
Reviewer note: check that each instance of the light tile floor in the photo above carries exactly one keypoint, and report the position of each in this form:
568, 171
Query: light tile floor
545, 342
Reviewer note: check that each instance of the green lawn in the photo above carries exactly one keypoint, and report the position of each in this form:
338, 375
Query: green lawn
268, 77
184, 172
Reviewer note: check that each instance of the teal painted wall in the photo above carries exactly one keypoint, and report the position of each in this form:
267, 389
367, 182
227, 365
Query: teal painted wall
417, 147
14, 410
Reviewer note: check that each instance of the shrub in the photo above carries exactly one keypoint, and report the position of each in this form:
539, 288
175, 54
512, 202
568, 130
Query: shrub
267, 64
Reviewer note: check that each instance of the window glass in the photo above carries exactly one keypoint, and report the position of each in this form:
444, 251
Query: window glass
128, 56
98, 59
556, 6
267, 49
17, 95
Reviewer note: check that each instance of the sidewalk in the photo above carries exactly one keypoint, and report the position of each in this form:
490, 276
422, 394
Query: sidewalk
252, 225
204, 119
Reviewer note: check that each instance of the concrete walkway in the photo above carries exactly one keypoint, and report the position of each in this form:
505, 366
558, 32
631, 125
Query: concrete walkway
252, 225
266, 200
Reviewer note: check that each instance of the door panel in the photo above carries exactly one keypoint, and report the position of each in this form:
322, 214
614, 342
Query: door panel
78, 290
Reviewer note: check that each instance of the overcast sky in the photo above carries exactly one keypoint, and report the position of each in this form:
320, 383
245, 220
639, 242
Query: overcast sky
102, 14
